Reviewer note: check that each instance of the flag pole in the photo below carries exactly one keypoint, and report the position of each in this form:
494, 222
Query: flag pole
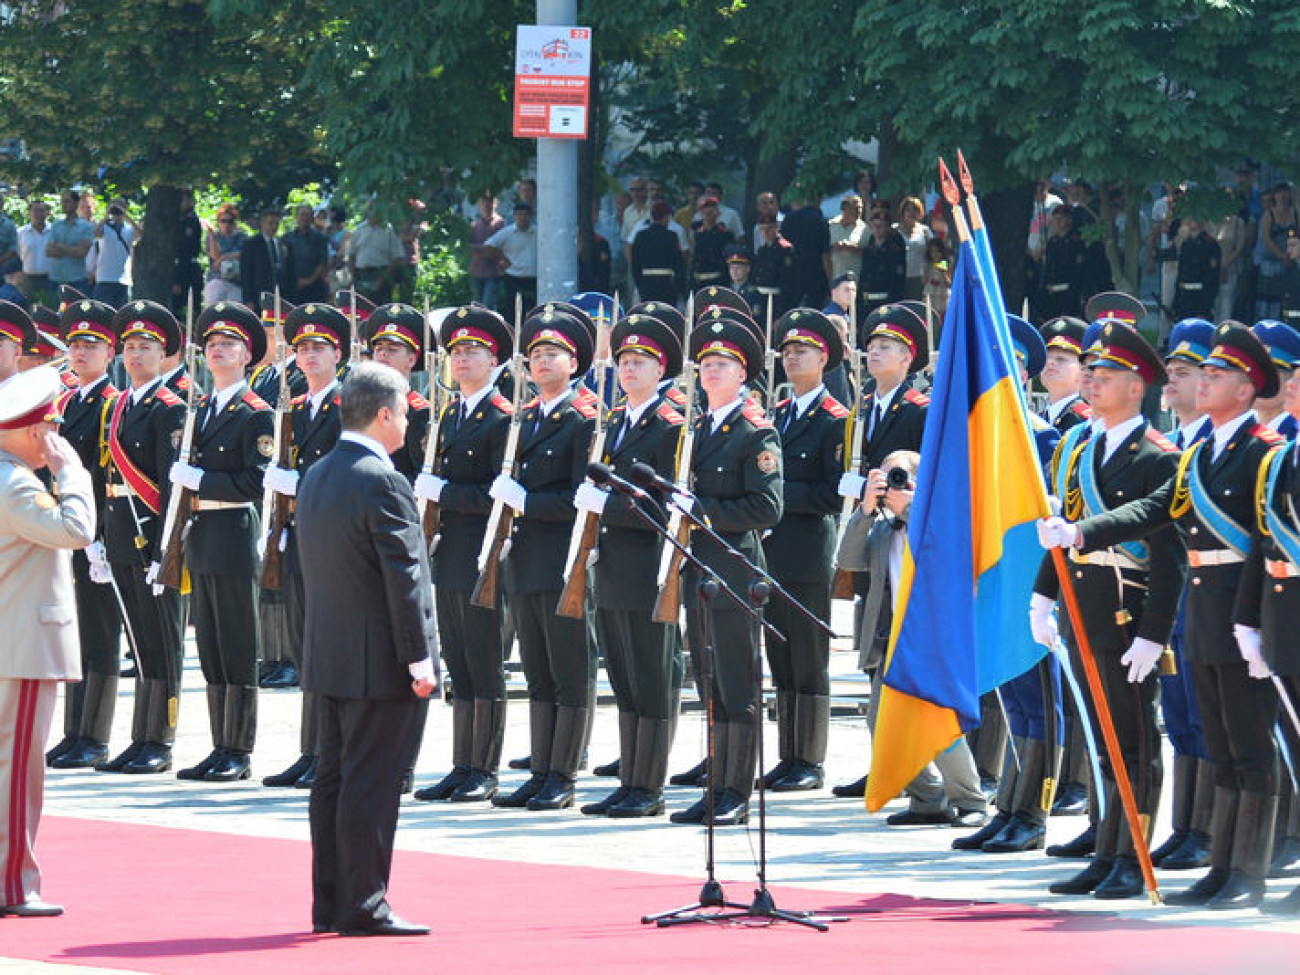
1104, 720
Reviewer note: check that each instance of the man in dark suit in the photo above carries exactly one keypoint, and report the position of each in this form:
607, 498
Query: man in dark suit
368, 644
261, 261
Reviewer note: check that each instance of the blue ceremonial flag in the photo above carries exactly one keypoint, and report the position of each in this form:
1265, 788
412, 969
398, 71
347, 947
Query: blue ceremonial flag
961, 623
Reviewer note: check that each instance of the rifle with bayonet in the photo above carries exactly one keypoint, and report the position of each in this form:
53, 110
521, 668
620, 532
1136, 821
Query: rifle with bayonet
433, 361
669, 602
769, 363
276, 507
502, 517
180, 503
842, 587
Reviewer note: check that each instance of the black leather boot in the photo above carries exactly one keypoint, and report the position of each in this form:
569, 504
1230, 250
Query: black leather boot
1107, 847
786, 738
1252, 848
1286, 845
1072, 793
1123, 881
694, 776
240, 733
1028, 824
541, 732
616, 769
626, 762
462, 749
1184, 789
160, 731
732, 807
216, 695
812, 714
489, 734
646, 795
99, 700
292, 774
74, 695
139, 721
856, 789
1222, 830
557, 791
1194, 852
1080, 847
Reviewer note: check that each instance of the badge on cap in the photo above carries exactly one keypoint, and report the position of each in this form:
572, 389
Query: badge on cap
308, 329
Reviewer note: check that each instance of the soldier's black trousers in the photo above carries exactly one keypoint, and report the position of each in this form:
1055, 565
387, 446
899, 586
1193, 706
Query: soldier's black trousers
801, 662
470, 639
224, 610
559, 660
640, 658
734, 691
1238, 713
99, 621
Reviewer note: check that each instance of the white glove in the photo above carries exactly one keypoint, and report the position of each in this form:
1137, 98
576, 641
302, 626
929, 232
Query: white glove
100, 574
1248, 644
429, 487
1141, 659
1056, 532
682, 501
508, 491
186, 476
1042, 620
852, 485
151, 577
281, 481
588, 497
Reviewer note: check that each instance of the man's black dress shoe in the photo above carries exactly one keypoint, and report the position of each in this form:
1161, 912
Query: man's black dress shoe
391, 926
909, 818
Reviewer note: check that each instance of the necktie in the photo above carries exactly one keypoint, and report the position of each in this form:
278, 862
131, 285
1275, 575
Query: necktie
208, 413
1178, 438
275, 255
790, 418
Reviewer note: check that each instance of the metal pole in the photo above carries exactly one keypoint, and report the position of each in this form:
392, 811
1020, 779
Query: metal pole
557, 191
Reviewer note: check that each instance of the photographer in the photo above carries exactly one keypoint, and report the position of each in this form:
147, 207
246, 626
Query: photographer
115, 239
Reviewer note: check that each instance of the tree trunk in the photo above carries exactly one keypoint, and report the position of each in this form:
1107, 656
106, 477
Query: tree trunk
154, 262
1006, 215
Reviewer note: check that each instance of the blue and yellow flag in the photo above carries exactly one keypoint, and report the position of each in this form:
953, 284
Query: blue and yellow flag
961, 621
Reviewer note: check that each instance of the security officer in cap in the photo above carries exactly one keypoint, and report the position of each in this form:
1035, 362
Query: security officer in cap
1192, 782
233, 443
1064, 269
140, 441
1283, 344
1196, 288
87, 327
894, 413
1268, 601
775, 270
395, 336
559, 660
801, 547
1128, 593
320, 336
739, 262
471, 444
642, 657
737, 487
1213, 496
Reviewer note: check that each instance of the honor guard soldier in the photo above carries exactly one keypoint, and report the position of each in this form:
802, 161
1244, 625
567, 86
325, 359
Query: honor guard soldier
395, 336
471, 445
233, 443
709, 245
737, 487
264, 379
738, 273
1063, 266
1268, 604
87, 327
320, 336
775, 270
801, 547
16, 331
894, 414
1061, 375
1213, 496
642, 657
1283, 344
559, 660
1192, 782
1128, 593
143, 435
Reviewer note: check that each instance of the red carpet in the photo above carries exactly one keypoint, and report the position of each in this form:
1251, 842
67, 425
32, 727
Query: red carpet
168, 900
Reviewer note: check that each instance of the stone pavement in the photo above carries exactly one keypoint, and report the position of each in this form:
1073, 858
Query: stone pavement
813, 839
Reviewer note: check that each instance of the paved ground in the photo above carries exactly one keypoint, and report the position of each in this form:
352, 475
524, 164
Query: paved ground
813, 839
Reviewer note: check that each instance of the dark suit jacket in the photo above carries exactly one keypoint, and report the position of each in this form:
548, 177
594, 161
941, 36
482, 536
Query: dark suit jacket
469, 457
233, 450
801, 548
312, 440
366, 577
1212, 592
256, 274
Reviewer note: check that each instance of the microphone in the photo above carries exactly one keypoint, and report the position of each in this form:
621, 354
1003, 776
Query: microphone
643, 475
602, 474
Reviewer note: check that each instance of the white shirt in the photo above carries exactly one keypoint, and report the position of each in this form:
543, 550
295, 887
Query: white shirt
801, 403
31, 245
548, 405
140, 392
113, 255
316, 400
519, 247
721, 413
883, 401
632, 216
222, 397
89, 388
1225, 433
1054, 410
1117, 434
470, 403
1187, 432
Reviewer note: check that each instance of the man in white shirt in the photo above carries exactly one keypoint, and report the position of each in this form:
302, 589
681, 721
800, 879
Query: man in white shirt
115, 239
515, 245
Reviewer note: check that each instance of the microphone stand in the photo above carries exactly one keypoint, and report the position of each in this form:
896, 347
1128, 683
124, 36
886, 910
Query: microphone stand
761, 586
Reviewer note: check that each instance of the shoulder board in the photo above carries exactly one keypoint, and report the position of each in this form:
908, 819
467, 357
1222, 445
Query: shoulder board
415, 401
69, 380
535, 401
666, 412
782, 242
61, 401
1161, 441
585, 394
1266, 434
781, 403
675, 395
755, 415
299, 400
585, 405
835, 408
110, 391
919, 399
167, 397
338, 398
502, 404
255, 401
1080, 408
183, 382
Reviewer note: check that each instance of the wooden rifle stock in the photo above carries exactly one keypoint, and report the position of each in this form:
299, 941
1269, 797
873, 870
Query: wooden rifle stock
429, 509
489, 578
842, 586
668, 603
573, 598
180, 503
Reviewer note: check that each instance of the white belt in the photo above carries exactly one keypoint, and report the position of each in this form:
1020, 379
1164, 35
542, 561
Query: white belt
1197, 558
201, 505
1056, 289
1192, 285
769, 291
1291, 314
118, 491
1281, 569
877, 295
658, 272
1107, 557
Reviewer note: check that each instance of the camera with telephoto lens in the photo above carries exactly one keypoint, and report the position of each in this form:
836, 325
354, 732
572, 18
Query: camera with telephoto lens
898, 479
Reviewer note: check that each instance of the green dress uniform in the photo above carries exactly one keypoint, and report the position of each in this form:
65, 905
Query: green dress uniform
471, 445
141, 440
1213, 498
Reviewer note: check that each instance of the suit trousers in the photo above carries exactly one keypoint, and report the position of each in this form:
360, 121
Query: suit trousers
224, 609
295, 616
470, 638
801, 662
99, 621
559, 660
1237, 717
364, 748
26, 713
640, 661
